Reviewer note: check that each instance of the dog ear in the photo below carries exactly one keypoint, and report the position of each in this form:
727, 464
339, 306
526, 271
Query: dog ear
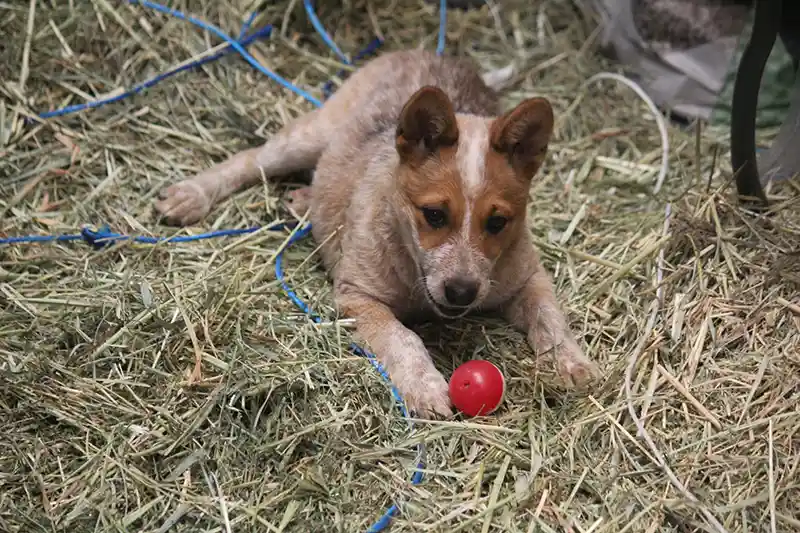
427, 124
522, 135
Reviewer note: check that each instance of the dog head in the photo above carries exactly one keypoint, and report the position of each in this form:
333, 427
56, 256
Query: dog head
463, 183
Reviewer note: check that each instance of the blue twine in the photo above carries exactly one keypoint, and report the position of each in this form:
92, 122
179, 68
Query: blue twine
243, 41
246, 26
234, 44
104, 237
442, 26
376, 43
312, 16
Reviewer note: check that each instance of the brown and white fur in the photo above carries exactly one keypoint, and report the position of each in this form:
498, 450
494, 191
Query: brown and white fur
419, 199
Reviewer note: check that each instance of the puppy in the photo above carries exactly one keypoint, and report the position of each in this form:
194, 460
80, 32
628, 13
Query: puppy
419, 199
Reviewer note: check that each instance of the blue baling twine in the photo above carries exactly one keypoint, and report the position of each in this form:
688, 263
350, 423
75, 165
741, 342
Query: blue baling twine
233, 43
312, 16
104, 237
243, 40
442, 26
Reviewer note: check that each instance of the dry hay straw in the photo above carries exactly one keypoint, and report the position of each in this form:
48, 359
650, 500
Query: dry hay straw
107, 425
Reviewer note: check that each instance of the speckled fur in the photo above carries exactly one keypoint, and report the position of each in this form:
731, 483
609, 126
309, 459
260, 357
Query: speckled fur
681, 24
379, 269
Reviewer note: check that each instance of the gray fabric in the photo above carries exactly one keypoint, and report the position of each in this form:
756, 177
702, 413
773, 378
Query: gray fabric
685, 54
782, 160
687, 81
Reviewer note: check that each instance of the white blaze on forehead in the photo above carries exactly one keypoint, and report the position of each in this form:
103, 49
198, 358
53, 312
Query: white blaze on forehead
473, 143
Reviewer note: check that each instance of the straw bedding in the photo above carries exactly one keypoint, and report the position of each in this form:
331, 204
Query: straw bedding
175, 388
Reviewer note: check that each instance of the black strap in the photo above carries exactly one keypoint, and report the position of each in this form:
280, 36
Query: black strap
745, 98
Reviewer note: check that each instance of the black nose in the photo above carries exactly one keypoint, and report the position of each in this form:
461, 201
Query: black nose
461, 292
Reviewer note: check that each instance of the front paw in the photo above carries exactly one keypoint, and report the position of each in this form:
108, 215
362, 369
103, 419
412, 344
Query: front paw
184, 203
427, 396
573, 367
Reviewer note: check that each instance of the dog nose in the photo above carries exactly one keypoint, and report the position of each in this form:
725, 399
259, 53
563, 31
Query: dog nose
461, 292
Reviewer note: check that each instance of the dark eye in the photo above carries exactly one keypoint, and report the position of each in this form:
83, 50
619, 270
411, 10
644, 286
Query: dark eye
437, 218
495, 224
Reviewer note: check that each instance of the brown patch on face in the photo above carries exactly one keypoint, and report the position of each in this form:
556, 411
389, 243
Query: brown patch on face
427, 139
504, 196
518, 145
434, 185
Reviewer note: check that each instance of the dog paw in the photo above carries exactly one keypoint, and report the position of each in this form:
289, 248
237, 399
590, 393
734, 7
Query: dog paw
428, 397
184, 203
574, 367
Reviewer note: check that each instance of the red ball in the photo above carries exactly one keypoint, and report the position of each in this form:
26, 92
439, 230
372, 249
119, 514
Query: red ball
477, 388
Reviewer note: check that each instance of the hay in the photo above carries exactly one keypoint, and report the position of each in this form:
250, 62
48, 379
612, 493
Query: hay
174, 387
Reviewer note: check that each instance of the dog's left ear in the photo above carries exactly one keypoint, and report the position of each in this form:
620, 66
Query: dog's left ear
522, 135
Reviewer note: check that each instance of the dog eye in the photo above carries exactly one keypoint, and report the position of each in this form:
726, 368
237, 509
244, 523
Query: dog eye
437, 218
495, 224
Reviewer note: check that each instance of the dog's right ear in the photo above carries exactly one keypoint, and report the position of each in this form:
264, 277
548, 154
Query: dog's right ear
427, 124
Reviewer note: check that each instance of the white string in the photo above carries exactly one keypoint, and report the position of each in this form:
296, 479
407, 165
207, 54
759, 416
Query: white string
662, 123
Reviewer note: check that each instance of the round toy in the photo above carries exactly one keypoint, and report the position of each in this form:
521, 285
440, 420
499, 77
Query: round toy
477, 388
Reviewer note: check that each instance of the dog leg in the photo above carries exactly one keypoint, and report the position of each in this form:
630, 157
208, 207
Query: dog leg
401, 353
296, 147
536, 312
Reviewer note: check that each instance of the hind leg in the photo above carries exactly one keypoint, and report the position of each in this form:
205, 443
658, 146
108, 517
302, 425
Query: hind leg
296, 147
